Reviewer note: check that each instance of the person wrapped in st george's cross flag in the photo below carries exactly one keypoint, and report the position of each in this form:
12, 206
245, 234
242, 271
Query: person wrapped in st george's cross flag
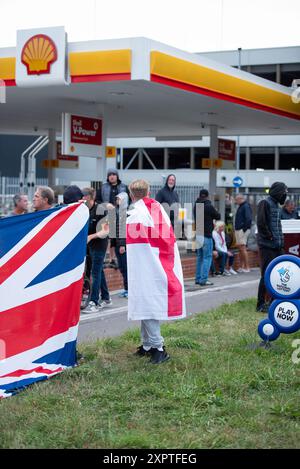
155, 278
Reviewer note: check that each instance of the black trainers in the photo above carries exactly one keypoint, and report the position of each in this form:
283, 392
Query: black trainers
159, 356
141, 352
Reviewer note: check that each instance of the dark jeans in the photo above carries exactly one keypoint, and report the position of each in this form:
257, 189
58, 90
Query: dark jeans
222, 260
98, 276
122, 262
266, 256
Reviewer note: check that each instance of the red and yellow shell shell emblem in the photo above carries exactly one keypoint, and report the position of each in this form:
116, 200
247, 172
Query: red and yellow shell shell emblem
38, 54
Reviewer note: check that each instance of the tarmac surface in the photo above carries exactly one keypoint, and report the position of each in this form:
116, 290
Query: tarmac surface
112, 321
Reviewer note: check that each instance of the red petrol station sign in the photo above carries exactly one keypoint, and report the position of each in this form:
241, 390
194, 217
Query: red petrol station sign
86, 130
226, 149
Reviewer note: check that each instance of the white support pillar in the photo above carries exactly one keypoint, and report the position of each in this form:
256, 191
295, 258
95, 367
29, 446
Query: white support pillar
276, 159
192, 158
278, 73
140, 159
52, 155
121, 158
101, 161
248, 156
222, 208
213, 154
166, 158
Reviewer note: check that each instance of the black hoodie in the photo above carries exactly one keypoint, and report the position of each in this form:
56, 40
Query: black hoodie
268, 217
169, 197
210, 214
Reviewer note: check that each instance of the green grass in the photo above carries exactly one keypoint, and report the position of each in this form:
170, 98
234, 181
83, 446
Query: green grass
215, 392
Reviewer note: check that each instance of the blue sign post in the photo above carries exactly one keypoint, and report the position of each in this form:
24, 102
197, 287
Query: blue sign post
237, 181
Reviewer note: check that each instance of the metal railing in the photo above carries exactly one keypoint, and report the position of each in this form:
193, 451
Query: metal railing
188, 193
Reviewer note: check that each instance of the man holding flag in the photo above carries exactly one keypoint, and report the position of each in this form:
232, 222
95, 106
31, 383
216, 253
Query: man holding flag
155, 279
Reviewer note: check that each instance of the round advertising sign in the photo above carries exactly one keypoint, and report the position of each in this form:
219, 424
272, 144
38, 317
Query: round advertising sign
267, 330
282, 277
285, 315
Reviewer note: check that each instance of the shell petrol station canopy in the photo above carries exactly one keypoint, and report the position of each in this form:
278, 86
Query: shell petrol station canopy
140, 87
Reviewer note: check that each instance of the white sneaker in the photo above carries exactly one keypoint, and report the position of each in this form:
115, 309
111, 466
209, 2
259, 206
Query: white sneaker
226, 273
104, 303
232, 271
91, 308
246, 271
240, 271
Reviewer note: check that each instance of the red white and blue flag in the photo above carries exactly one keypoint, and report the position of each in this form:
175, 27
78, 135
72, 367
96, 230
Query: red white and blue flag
42, 257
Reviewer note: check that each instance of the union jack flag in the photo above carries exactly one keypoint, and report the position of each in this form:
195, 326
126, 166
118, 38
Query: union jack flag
42, 258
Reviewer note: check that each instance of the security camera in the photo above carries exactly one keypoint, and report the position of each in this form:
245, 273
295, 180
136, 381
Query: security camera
35, 128
202, 125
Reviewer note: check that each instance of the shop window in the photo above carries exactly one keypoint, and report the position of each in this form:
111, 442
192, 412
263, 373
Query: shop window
289, 72
289, 158
265, 71
200, 152
263, 158
179, 158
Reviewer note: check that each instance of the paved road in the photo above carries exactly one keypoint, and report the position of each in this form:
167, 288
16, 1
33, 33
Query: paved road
112, 321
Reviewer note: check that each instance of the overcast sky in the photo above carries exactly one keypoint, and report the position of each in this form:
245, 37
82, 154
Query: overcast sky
192, 25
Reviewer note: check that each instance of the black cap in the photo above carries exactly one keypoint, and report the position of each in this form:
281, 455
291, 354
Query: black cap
72, 194
203, 194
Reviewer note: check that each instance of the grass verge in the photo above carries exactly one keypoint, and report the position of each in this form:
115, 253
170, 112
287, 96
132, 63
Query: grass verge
215, 392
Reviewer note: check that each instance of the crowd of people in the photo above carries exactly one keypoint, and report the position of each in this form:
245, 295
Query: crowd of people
216, 247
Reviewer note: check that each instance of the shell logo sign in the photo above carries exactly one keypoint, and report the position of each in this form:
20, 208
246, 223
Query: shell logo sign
41, 57
38, 54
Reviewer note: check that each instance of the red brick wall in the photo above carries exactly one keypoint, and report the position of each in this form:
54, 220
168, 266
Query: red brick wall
115, 281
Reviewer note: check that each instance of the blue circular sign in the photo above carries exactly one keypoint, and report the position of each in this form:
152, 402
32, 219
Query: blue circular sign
282, 277
285, 315
237, 181
267, 330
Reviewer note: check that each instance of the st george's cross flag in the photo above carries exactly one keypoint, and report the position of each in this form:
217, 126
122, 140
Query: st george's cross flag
155, 278
42, 257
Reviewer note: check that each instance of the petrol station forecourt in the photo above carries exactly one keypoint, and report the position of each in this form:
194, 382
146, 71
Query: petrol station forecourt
134, 85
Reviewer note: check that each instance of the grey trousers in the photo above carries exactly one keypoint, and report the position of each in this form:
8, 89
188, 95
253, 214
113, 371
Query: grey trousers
150, 333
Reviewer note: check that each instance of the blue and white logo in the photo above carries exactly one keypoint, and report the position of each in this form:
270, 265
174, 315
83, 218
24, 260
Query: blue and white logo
285, 277
282, 277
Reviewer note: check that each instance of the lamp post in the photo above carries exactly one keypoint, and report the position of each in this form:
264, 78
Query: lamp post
238, 137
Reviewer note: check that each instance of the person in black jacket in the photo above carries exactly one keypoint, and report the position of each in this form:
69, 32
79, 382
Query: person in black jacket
106, 196
96, 249
242, 225
168, 197
204, 243
269, 238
